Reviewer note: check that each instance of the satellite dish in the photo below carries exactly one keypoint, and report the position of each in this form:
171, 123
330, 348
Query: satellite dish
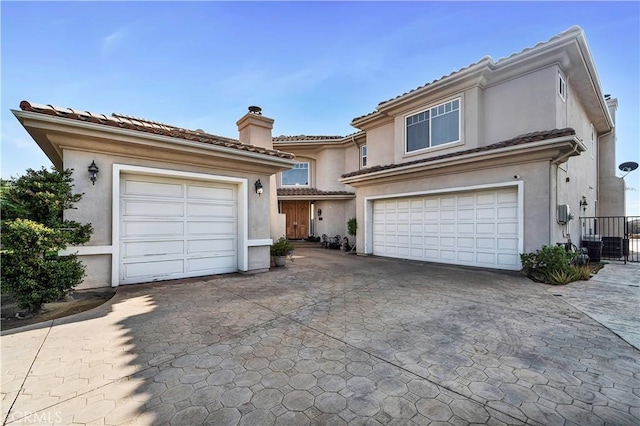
628, 167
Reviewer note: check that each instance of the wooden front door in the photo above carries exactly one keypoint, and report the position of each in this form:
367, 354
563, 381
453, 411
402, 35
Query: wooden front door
297, 213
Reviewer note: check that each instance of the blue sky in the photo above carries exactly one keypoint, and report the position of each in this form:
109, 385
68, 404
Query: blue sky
310, 66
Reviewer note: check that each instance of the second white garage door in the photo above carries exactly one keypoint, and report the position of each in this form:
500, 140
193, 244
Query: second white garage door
171, 228
469, 228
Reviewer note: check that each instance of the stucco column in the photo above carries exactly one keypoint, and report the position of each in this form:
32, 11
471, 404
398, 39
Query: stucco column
255, 129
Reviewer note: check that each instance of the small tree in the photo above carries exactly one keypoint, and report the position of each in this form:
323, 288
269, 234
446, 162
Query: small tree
352, 226
33, 231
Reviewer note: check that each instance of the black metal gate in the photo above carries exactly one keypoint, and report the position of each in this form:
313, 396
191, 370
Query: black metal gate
617, 237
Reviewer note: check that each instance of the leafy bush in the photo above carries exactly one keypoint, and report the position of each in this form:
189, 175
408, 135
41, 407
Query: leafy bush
352, 226
32, 271
551, 265
33, 231
282, 247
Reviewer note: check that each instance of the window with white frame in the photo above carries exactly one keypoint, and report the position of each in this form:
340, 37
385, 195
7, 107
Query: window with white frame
435, 126
562, 87
363, 156
297, 176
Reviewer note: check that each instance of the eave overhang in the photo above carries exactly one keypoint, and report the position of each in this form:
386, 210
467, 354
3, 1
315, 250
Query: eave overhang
44, 129
557, 150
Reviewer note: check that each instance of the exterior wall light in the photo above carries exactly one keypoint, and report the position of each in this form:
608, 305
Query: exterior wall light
258, 186
93, 172
584, 204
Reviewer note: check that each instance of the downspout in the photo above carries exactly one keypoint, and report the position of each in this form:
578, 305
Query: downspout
557, 161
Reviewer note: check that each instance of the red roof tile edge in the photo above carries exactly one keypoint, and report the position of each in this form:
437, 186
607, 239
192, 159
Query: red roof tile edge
147, 126
518, 140
283, 192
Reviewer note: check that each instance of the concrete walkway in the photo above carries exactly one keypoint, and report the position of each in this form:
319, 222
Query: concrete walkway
330, 339
611, 297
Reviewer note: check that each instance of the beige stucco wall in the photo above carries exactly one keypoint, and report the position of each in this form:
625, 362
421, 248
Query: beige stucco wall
330, 164
96, 204
521, 105
335, 214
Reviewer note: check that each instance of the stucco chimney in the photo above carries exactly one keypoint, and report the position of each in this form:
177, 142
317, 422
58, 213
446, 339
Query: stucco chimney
255, 129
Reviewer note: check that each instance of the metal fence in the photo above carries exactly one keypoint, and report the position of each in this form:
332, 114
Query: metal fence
612, 237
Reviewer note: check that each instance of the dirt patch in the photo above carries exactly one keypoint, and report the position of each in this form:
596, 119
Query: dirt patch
76, 302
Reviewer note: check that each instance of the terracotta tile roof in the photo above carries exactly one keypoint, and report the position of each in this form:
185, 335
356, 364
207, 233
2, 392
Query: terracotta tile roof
518, 140
298, 138
148, 126
487, 59
290, 192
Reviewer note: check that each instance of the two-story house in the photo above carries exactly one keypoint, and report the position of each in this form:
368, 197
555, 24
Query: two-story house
473, 168
314, 201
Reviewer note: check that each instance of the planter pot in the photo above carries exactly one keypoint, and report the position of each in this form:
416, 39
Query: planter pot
279, 260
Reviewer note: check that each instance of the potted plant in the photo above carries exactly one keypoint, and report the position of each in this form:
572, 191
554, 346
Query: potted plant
280, 249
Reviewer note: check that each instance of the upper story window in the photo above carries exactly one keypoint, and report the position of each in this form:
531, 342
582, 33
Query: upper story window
562, 87
435, 126
297, 176
363, 156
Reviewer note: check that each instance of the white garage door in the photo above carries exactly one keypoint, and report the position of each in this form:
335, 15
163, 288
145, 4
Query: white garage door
172, 228
468, 228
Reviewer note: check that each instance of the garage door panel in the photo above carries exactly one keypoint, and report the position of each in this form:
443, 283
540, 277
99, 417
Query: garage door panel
486, 258
475, 228
466, 228
447, 202
212, 265
447, 228
150, 208
156, 228
208, 210
507, 229
508, 260
485, 228
210, 193
507, 212
153, 189
486, 199
466, 257
138, 249
447, 241
466, 242
468, 200
431, 241
486, 214
211, 227
163, 268
217, 245
507, 244
507, 197
466, 214
448, 215
172, 228
485, 243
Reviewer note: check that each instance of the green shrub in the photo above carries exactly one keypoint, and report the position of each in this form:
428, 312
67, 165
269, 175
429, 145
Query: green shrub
33, 232
32, 272
282, 247
352, 226
550, 265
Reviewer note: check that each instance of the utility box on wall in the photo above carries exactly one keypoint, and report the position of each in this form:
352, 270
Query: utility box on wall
564, 214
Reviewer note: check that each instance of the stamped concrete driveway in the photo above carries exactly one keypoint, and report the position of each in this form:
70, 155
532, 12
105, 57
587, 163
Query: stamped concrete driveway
330, 339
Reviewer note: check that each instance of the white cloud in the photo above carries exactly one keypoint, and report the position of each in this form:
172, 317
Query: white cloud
110, 43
